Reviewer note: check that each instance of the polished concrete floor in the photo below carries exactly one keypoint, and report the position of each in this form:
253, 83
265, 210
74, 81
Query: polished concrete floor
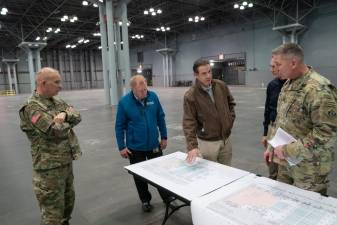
105, 192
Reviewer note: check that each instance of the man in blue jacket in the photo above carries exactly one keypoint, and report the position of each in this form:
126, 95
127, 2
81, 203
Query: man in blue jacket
139, 116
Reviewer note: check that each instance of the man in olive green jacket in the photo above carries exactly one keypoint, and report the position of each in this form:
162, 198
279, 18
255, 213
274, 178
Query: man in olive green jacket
208, 116
48, 123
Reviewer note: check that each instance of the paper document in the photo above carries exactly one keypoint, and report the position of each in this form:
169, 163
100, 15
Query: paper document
282, 138
262, 201
186, 180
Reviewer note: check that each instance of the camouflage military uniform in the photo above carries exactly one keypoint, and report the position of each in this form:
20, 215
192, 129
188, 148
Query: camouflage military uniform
307, 110
53, 147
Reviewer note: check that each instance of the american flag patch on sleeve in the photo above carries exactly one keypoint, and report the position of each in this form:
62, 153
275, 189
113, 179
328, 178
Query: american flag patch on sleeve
35, 118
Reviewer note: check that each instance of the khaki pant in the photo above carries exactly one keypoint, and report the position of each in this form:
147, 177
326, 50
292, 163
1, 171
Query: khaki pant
217, 151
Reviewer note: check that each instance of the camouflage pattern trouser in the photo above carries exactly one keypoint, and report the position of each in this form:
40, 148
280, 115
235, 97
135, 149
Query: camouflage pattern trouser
272, 166
54, 191
295, 176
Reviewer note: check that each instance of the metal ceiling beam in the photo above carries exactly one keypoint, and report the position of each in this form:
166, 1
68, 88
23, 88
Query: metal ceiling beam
42, 22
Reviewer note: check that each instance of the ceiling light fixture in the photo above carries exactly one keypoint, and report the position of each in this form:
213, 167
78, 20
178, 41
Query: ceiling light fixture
71, 19
85, 3
152, 11
137, 36
163, 29
243, 5
4, 11
120, 23
196, 19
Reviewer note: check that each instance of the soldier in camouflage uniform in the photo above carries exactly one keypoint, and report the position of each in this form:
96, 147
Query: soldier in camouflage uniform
307, 110
48, 123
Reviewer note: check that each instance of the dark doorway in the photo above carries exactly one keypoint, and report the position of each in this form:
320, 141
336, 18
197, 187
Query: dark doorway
146, 72
231, 69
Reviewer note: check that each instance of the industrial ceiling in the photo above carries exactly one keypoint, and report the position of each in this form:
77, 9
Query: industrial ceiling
32, 20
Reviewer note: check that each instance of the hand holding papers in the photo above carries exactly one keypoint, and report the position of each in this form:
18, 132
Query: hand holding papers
282, 138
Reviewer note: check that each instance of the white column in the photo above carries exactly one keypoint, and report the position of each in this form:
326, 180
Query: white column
112, 53
31, 70
126, 54
15, 79
9, 77
104, 53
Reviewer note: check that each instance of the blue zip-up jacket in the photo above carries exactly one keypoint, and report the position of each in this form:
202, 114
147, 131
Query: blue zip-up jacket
137, 124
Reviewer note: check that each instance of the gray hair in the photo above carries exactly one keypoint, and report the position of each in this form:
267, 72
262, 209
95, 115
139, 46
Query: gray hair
290, 50
137, 79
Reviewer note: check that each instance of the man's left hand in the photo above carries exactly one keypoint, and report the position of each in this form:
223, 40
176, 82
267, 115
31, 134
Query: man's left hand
279, 152
60, 118
163, 144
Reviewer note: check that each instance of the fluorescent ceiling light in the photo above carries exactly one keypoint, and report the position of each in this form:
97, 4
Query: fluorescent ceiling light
244, 3
151, 10
250, 5
236, 6
85, 3
146, 12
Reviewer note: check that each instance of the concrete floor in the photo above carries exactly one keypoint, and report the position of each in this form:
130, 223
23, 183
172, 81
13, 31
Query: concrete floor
105, 192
